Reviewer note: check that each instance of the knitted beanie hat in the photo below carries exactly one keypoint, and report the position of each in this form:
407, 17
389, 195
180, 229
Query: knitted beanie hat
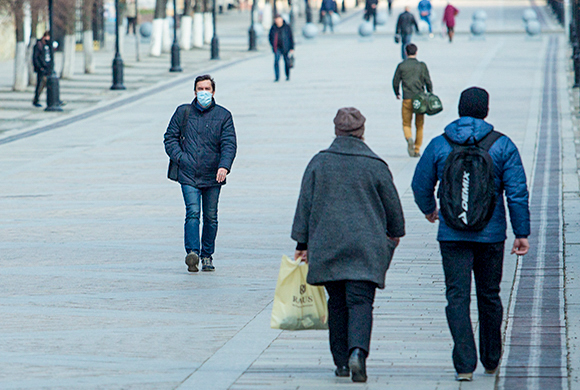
474, 102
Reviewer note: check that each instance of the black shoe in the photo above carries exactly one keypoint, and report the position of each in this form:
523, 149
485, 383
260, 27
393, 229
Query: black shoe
37, 104
192, 261
342, 371
61, 103
287, 78
357, 364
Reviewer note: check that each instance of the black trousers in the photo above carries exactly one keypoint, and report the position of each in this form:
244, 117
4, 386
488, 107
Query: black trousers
486, 261
350, 317
40, 84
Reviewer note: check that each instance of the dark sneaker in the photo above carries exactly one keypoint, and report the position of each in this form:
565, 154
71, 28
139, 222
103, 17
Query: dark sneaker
357, 364
417, 154
207, 264
37, 104
192, 261
343, 371
411, 147
465, 377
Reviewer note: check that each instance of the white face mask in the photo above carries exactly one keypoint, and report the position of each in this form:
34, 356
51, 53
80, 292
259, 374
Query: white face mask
204, 98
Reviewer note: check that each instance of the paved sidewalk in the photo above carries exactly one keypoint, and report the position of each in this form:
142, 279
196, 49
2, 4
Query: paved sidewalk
94, 292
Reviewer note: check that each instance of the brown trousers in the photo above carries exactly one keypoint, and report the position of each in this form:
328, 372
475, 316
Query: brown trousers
407, 113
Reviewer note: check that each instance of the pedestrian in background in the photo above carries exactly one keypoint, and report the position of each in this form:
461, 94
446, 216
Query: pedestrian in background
347, 224
42, 63
414, 77
406, 24
371, 11
390, 5
327, 8
424, 8
480, 251
282, 42
449, 20
201, 139
131, 16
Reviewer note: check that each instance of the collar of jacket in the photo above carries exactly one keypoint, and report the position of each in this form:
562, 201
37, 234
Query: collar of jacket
198, 106
351, 146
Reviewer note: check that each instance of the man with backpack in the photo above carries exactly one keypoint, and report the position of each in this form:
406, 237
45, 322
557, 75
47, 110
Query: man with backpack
414, 76
474, 166
201, 143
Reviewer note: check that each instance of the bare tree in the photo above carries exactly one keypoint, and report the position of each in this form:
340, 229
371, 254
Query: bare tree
157, 33
186, 25
88, 7
37, 9
66, 16
16, 8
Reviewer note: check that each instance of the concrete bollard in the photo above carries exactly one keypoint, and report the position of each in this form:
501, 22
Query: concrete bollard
310, 31
533, 28
381, 18
423, 27
478, 28
365, 29
335, 18
479, 15
529, 14
145, 29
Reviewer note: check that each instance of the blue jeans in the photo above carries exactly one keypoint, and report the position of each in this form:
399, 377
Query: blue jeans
277, 54
405, 40
428, 20
196, 200
486, 261
327, 21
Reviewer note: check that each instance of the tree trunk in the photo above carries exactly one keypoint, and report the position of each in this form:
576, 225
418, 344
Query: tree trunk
88, 36
20, 68
68, 57
34, 11
207, 22
185, 26
166, 41
157, 30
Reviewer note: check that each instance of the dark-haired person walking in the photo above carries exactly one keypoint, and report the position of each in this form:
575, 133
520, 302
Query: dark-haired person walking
201, 140
475, 251
282, 42
42, 63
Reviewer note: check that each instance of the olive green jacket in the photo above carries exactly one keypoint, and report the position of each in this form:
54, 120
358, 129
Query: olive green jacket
415, 78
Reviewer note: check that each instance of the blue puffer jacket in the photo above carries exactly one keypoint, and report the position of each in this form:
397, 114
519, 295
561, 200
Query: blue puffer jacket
509, 178
208, 143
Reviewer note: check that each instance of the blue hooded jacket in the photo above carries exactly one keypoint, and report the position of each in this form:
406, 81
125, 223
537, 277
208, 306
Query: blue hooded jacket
510, 179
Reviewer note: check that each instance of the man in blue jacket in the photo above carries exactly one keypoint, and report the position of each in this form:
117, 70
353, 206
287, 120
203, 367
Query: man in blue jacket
201, 139
480, 252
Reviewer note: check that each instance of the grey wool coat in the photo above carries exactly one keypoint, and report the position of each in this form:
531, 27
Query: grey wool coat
348, 205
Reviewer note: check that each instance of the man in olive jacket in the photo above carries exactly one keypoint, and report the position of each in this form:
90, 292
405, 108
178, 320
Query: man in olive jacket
414, 76
201, 139
347, 224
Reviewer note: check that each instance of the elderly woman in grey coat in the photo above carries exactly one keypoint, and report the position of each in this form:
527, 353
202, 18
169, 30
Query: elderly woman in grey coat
347, 224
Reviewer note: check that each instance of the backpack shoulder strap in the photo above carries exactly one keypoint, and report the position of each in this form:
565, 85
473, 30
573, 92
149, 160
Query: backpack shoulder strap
487, 141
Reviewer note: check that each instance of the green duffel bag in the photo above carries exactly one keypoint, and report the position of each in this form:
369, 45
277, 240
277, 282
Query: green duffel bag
434, 105
427, 103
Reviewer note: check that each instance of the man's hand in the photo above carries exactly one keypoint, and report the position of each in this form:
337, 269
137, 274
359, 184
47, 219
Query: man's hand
303, 255
521, 246
434, 216
396, 239
291, 51
221, 175
398, 97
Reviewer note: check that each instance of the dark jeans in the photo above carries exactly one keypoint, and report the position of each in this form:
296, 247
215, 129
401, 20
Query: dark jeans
196, 200
350, 317
40, 84
277, 54
132, 24
486, 262
372, 13
405, 40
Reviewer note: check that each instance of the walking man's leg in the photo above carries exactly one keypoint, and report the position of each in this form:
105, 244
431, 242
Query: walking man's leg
287, 66
405, 40
457, 265
407, 115
487, 270
419, 124
192, 199
338, 323
40, 83
277, 55
209, 201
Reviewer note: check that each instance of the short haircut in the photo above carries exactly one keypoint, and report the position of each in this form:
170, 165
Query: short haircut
203, 78
411, 49
46, 34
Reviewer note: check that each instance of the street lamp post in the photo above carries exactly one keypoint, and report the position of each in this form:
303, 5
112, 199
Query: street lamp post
215, 50
175, 66
252, 32
117, 61
52, 87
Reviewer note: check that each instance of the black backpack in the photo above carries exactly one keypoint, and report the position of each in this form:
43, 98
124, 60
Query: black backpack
467, 188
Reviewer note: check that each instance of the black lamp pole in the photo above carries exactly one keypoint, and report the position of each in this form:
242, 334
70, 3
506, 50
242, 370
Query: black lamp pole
215, 50
52, 87
252, 32
175, 66
117, 61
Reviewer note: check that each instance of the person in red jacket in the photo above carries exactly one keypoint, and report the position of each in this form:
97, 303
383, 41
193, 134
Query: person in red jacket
449, 20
